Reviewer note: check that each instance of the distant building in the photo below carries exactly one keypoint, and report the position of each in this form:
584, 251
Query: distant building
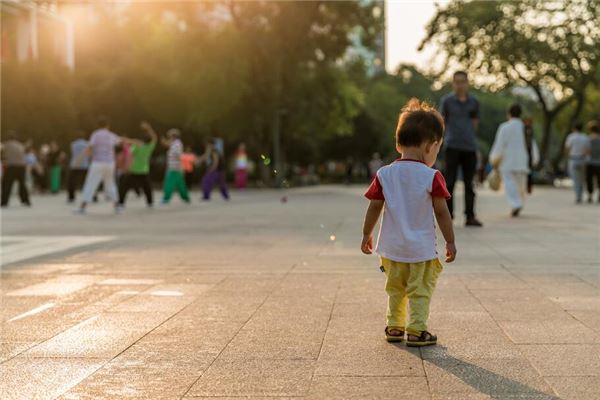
35, 30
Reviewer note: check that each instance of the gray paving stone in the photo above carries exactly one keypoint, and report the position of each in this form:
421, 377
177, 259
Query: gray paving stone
519, 305
148, 371
586, 303
10, 349
103, 336
565, 359
184, 334
163, 298
493, 281
497, 396
461, 321
551, 331
43, 378
327, 387
576, 387
488, 376
224, 307
270, 307
344, 355
471, 344
590, 318
255, 377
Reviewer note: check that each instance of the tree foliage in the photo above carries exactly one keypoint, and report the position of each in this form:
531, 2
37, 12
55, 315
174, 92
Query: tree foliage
549, 45
212, 69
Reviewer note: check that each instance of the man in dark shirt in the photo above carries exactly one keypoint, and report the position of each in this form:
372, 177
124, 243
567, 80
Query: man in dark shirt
461, 116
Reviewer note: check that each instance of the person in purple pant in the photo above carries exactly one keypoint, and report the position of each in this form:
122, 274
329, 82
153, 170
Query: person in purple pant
215, 173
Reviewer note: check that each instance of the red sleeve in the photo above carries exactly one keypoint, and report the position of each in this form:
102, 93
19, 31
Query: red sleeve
375, 191
438, 186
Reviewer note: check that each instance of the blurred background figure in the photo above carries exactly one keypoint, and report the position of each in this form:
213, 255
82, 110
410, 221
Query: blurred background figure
349, 170
188, 163
174, 179
509, 154
32, 167
54, 162
215, 173
241, 167
593, 164
533, 152
101, 147
461, 116
138, 174
44, 171
122, 161
77, 170
13, 162
577, 149
374, 165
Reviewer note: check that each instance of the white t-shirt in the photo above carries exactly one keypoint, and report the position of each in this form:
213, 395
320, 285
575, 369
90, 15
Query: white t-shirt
103, 144
407, 232
578, 143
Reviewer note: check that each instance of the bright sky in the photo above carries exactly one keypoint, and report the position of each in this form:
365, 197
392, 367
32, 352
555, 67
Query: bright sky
406, 20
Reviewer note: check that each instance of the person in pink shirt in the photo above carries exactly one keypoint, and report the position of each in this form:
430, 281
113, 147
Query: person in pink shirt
241, 167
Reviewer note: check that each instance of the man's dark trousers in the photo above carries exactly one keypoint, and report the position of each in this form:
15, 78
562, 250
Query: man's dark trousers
75, 182
11, 174
467, 161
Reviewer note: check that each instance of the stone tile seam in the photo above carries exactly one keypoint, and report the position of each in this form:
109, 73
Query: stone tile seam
275, 287
555, 393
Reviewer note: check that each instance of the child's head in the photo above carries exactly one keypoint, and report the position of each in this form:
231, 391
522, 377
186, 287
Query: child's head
421, 130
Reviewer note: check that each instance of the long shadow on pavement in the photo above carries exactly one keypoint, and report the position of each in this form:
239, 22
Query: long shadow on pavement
484, 381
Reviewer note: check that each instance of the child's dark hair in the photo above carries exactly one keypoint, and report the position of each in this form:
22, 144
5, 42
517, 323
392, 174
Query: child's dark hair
419, 122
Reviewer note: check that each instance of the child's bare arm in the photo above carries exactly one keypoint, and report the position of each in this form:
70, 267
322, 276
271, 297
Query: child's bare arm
373, 213
444, 220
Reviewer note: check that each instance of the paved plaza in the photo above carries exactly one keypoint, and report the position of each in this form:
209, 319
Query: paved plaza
260, 298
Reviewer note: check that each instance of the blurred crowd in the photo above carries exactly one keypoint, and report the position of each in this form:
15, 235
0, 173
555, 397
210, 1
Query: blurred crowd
105, 162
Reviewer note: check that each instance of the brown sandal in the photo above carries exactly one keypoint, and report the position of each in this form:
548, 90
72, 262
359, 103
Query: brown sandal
425, 339
390, 337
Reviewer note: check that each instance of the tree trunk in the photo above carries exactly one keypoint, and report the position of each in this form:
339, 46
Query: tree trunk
547, 130
580, 98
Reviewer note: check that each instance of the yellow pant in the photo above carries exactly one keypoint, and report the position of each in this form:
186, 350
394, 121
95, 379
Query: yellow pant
410, 284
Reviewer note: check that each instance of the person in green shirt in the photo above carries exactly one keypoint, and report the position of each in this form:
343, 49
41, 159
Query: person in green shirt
139, 169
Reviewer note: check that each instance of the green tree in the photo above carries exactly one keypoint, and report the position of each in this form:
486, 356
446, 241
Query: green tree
296, 60
37, 101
